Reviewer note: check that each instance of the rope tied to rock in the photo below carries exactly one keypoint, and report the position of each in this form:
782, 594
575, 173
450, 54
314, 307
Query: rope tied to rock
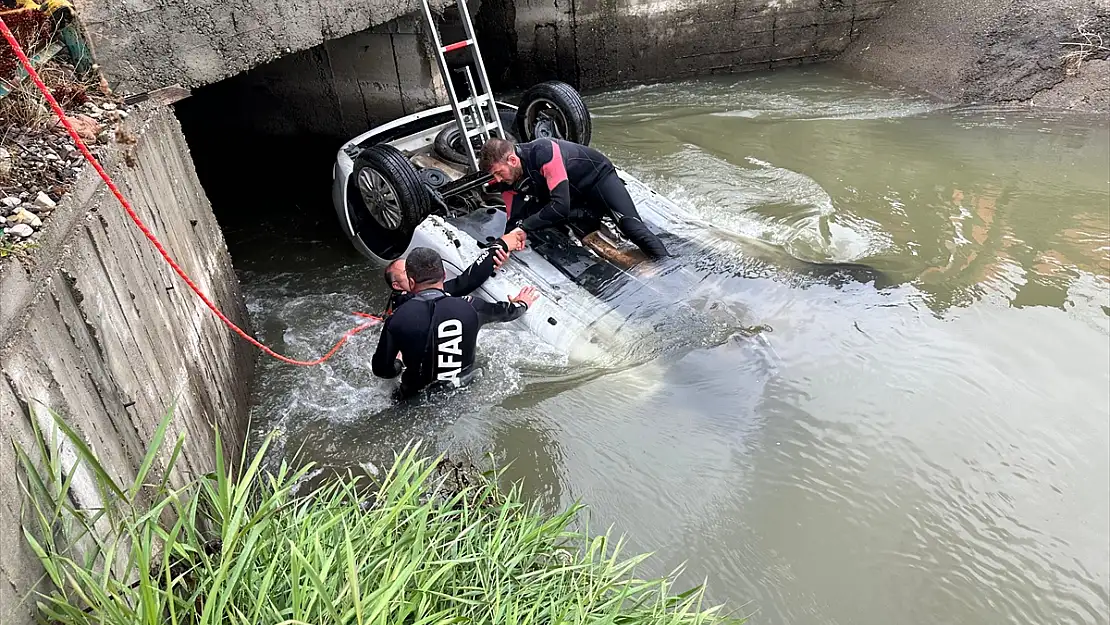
29, 68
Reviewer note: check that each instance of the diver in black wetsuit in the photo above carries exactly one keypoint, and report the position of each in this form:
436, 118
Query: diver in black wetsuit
465, 283
548, 182
435, 333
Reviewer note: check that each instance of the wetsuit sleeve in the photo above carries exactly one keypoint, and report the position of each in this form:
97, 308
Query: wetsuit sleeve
554, 170
496, 312
385, 363
478, 272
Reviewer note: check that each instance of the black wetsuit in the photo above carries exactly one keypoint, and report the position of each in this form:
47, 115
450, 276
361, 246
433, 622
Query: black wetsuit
463, 284
564, 182
435, 333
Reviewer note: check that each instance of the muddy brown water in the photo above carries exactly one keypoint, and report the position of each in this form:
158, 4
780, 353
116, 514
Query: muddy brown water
931, 452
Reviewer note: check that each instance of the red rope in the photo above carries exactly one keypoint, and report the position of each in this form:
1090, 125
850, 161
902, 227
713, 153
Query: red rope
138, 222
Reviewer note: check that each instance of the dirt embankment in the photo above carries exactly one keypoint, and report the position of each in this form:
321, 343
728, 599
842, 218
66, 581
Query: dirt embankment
1051, 53
39, 162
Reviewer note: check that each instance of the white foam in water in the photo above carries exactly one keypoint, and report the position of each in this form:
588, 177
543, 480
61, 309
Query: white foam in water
309, 325
829, 102
811, 96
730, 196
344, 389
749, 114
306, 478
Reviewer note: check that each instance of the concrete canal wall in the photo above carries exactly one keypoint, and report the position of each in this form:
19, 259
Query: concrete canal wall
99, 329
147, 44
337, 89
595, 43
143, 44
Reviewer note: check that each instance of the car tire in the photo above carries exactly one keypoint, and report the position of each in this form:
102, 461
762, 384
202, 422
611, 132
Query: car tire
390, 189
448, 145
553, 109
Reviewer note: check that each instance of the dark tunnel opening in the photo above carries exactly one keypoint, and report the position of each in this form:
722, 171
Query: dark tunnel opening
264, 165
264, 142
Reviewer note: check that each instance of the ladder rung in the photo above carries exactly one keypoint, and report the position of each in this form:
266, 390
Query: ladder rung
455, 46
475, 101
480, 129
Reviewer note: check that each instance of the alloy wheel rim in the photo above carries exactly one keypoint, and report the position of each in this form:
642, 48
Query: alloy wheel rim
380, 198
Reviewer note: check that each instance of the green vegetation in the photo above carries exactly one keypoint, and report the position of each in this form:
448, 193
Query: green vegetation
405, 549
10, 247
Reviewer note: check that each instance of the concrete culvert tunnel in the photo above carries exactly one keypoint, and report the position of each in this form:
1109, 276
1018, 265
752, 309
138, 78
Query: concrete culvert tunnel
264, 142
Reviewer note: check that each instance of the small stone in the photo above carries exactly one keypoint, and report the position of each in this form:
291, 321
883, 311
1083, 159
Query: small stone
50, 156
108, 106
104, 137
11, 202
43, 201
24, 195
22, 231
24, 216
123, 114
69, 147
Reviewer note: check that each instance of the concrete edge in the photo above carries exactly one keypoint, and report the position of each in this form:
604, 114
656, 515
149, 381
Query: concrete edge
24, 281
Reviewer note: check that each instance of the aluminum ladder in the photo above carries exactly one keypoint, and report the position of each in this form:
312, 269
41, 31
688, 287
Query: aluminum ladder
480, 108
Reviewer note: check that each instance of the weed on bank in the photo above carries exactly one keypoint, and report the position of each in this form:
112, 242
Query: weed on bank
404, 549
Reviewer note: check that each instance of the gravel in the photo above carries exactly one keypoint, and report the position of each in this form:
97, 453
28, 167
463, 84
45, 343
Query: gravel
38, 166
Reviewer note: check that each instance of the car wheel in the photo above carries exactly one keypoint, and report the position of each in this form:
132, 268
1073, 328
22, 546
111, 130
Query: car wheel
390, 188
448, 143
553, 110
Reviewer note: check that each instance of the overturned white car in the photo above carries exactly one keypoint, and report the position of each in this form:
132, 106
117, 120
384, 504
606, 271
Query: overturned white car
412, 182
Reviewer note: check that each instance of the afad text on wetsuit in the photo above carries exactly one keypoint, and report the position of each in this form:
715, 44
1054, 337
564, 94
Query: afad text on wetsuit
449, 351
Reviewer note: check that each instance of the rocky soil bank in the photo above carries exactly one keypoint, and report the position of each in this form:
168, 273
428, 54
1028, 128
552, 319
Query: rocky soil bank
1051, 53
38, 159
